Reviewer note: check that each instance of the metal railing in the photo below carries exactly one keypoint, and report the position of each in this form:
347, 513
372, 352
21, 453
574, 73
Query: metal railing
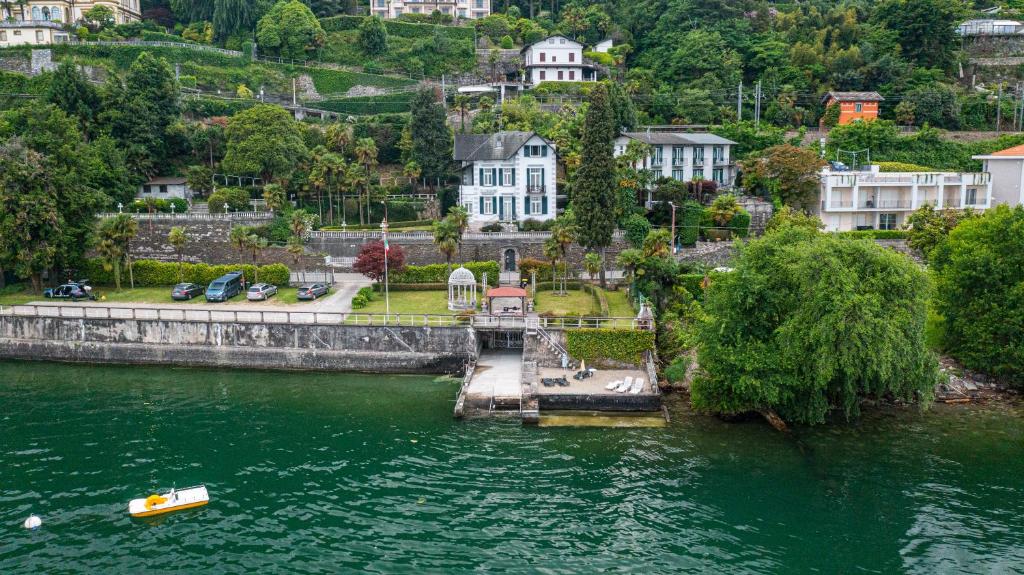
194, 216
91, 311
396, 236
161, 43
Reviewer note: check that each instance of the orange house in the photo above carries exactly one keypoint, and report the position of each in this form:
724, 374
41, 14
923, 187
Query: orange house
854, 105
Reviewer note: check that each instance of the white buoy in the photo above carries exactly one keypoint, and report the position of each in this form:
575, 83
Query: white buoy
33, 522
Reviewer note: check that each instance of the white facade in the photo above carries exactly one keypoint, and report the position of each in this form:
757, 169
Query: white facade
604, 45
31, 34
1007, 170
68, 11
684, 156
990, 27
507, 177
556, 59
883, 200
165, 188
458, 9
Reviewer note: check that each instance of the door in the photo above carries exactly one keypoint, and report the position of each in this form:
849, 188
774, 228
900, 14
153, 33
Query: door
510, 260
508, 213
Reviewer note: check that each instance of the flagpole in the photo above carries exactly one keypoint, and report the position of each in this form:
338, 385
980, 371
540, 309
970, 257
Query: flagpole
384, 236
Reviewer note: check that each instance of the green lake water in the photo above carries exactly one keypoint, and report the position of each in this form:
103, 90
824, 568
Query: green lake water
353, 473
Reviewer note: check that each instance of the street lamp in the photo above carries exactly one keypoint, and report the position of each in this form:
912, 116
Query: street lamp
120, 207
384, 237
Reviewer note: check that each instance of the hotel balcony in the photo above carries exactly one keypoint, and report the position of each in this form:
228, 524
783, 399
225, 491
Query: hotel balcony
535, 189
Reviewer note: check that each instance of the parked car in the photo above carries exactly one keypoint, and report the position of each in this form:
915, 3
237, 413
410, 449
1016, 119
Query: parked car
260, 292
225, 287
186, 291
73, 291
312, 291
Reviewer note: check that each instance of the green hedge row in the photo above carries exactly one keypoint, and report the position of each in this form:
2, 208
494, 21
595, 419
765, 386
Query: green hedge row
159, 205
438, 273
379, 287
340, 81
875, 234
396, 28
362, 297
625, 345
151, 273
689, 223
369, 105
598, 293
124, 55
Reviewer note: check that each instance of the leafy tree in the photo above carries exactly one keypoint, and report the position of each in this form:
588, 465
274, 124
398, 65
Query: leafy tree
236, 199
232, 17
637, 227
99, 16
593, 196
199, 179
290, 30
178, 240
115, 236
928, 227
979, 293
926, 29
830, 119
71, 91
274, 196
790, 173
431, 136
30, 233
936, 104
373, 36
904, 112
788, 217
140, 111
370, 261
264, 140
809, 322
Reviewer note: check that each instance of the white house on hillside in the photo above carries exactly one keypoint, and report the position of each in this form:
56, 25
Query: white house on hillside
459, 9
871, 199
165, 188
506, 177
684, 156
556, 59
1007, 170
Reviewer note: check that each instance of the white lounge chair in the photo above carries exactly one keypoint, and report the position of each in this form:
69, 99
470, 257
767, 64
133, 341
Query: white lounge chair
638, 386
613, 384
626, 384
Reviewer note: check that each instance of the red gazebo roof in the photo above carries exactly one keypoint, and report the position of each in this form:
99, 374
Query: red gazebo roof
506, 292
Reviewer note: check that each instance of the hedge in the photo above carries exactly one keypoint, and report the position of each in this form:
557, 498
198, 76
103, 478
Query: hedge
362, 297
692, 283
160, 205
438, 273
379, 287
625, 345
689, 223
602, 300
151, 273
391, 225
903, 167
875, 234
395, 28
369, 105
740, 224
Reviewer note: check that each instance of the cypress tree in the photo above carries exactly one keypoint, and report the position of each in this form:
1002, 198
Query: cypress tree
431, 138
594, 191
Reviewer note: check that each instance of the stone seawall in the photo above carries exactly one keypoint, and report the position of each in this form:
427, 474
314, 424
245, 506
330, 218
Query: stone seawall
375, 349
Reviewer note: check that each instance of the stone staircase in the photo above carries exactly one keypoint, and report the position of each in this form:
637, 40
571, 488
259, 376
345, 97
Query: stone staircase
199, 208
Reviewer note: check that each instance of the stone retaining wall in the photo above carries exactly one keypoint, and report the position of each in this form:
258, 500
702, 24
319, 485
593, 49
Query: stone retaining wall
375, 349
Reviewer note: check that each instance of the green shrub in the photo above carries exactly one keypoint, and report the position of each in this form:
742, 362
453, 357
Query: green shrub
676, 371
693, 283
397, 28
740, 224
379, 287
359, 301
903, 167
438, 273
507, 42
495, 227
689, 222
366, 292
151, 273
602, 299
237, 199
875, 234
625, 345
160, 205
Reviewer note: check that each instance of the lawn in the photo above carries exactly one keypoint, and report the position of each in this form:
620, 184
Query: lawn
618, 304
418, 302
574, 302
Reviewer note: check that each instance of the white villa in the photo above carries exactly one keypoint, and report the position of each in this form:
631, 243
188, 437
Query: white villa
1007, 169
871, 199
506, 177
67, 11
684, 156
556, 58
165, 188
31, 33
459, 9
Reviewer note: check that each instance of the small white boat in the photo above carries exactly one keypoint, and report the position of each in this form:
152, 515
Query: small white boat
638, 386
173, 500
626, 384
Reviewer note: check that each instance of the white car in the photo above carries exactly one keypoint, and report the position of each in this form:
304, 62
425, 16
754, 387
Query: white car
260, 292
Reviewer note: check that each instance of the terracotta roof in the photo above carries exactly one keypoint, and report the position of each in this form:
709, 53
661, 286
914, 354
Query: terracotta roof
853, 96
506, 292
1014, 151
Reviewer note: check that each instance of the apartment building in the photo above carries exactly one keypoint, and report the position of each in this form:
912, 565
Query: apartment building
558, 59
67, 11
458, 9
506, 177
684, 156
1007, 170
870, 199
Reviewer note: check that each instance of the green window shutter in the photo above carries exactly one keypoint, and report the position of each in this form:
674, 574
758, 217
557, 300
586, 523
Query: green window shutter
513, 208
501, 177
543, 151
501, 208
513, 176
481, 182
542, 180
494, 175
494, 204
526, 206
544, 205
481, 205
526, 151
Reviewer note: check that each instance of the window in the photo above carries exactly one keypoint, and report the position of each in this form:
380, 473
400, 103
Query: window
488, 205
718, 175
479, 3
858, 107
718, 153
698, 174
554, 57
561, 40
657, 157
698, 155
468, 206
39, 35
488, 179
677, 175
543, 57
887, 221
572, 56
535, 207
163, 189
678, 154
535, 177
506, 176
543, 76
572, 74
17, 32
462, 12
380, 3
972, 196
560, 75
535, 151
3, 36
415, 10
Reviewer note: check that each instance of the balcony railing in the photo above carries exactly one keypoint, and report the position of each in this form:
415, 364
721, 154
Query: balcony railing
885, 204
678, 161
535, 189
840, 204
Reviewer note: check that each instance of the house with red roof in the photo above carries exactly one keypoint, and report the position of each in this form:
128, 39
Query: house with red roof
854, 105
1007, 169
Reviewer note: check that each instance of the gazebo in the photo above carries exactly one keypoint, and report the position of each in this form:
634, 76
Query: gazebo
506, 301
461, 290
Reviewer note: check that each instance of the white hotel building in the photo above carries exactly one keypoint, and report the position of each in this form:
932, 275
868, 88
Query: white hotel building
506, 177
871, 199
458, 9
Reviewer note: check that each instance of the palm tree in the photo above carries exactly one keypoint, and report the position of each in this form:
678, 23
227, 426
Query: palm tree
552, 251
112, 254
413, 171
462, 107
178, 238
298, 224
446, 237
592, 263
459, 218
355, 178
273, 195
255, 244
564, 233
124, 230
296, 249
339, 137
366, 155
239, 238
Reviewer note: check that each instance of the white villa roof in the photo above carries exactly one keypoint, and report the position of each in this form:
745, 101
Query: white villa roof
680, 139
